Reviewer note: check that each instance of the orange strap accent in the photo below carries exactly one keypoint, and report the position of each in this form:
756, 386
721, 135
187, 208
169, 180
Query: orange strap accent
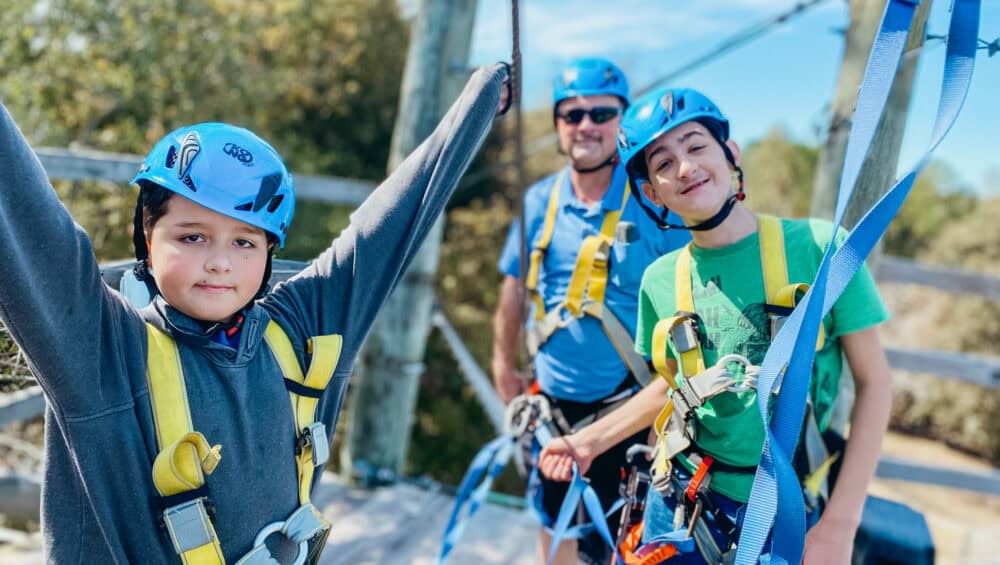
535, 388
631, 543
699, 476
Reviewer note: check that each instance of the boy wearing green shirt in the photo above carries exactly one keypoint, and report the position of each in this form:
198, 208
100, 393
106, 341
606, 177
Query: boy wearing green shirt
676, 145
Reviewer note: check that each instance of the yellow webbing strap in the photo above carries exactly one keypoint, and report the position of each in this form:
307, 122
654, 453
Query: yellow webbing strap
538, 253
775, 267
325, 351
692, 362
661, 337
772, 256
661, 463
590, 274
185, 455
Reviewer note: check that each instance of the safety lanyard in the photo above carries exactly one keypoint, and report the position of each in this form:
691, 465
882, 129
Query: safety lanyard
776, 498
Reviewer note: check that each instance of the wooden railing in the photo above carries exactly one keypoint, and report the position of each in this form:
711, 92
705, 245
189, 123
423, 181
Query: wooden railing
90, 165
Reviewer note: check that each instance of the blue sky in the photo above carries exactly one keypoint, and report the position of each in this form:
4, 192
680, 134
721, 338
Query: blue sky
784, 78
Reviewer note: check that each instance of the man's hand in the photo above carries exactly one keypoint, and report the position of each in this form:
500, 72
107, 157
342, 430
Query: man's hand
509, 382
556, 460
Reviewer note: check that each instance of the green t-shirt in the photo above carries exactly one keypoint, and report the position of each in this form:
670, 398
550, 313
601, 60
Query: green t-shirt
728, 291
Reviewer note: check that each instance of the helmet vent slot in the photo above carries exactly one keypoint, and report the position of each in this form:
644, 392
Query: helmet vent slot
275, 202
189, 183
171, 157
245, 207
268, 187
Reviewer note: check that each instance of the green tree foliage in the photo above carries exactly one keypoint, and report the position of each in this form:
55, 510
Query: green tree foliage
779, 174
317, 79
934, 203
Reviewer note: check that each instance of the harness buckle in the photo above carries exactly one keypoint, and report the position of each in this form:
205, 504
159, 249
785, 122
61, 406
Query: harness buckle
685, 334
314, 435
189, 525
777, 322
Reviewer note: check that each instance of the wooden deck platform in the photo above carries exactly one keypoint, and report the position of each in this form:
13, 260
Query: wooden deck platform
392, 525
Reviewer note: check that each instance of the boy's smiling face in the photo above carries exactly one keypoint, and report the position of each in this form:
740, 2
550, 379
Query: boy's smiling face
206, 265
689, 172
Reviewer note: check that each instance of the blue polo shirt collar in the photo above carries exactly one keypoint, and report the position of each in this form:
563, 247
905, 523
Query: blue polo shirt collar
612, 198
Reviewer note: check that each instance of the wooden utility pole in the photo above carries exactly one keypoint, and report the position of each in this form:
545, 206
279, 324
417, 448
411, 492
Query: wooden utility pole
879, 169
381, 407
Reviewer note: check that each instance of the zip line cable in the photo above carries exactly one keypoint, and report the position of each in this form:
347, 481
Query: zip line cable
736, 40
522, 174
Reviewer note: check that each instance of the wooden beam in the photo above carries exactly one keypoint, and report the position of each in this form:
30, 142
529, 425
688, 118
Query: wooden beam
987, 482
21, 405
981, 370
900, 270
85, 164
481, 384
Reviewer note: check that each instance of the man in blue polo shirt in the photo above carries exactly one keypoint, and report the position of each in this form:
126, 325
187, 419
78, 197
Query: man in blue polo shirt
590, 243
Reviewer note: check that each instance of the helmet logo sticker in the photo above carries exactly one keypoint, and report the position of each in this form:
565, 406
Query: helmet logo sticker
570, 76
238, 153
190, 148
268, 187
609, 77
667, 103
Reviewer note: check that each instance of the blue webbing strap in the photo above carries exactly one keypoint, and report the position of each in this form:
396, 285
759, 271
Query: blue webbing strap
579, 488
487, 465
490, 461
776, 494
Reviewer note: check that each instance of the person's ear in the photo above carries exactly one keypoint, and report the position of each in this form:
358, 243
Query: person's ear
735, 148
648, 192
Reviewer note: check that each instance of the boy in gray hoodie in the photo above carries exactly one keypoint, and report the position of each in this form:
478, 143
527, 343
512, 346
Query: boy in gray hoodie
207, 257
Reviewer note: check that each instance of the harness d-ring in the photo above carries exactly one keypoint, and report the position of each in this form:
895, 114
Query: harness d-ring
275, 527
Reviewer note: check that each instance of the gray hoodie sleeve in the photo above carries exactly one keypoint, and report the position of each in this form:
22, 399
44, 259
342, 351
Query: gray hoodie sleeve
52, 299
343, 288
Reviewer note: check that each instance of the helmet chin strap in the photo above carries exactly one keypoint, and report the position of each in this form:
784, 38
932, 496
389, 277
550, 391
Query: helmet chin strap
713, 222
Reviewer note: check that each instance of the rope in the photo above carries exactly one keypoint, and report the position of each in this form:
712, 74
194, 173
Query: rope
521, 178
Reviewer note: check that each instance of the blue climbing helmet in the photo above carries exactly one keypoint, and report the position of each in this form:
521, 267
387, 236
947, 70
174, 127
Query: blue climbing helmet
658, 112
589, 77
227, 169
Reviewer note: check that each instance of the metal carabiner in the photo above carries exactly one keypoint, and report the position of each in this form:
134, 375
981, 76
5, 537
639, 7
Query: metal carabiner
277, 527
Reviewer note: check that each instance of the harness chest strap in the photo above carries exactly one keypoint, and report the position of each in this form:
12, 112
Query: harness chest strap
185, 455
587, 287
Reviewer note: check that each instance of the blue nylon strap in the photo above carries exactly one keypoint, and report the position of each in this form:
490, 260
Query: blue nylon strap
580, 489
487, 465
489, 462
776, 494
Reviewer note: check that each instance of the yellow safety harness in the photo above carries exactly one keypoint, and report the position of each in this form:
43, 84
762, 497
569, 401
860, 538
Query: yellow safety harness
186, 456
675, 427
587, 286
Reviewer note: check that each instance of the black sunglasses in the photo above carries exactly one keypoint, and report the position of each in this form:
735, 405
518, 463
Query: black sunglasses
598, 114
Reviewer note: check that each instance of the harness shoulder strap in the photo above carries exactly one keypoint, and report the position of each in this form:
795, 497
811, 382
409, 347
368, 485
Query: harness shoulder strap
185, 456
781, 296
312, 446
542, 245
681, 328
589, 281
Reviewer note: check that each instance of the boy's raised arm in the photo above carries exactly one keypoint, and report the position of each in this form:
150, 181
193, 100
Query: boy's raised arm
52, 299
345, 286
